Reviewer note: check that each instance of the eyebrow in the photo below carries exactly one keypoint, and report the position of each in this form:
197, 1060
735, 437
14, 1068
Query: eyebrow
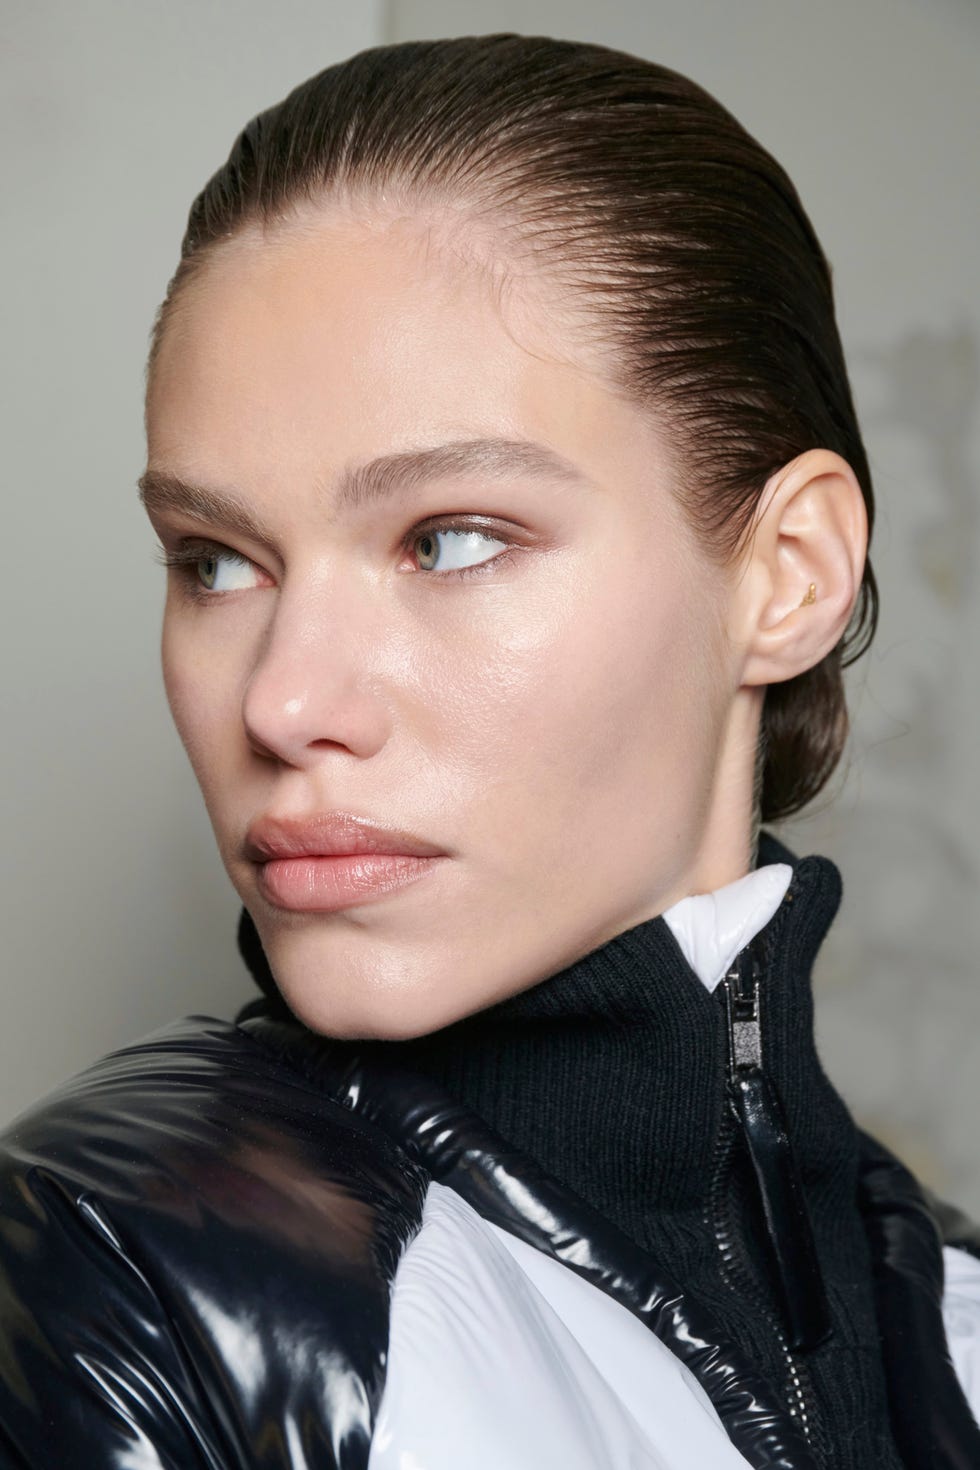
493, 458
163, 490
367, 484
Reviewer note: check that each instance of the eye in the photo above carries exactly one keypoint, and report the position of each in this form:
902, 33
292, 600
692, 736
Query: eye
225, 571
208, 569
453, 548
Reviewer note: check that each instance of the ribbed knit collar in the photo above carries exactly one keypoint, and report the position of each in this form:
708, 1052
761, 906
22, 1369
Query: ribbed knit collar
611, 1072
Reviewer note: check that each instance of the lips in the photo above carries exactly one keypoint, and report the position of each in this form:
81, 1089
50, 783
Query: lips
329, 834
333, 861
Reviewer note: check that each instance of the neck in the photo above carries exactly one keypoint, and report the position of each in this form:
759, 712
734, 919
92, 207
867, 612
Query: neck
730, 831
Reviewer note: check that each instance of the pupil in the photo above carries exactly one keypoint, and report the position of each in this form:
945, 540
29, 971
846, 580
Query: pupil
427, 548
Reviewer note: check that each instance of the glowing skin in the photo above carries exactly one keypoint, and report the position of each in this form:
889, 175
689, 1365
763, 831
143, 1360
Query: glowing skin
568, 723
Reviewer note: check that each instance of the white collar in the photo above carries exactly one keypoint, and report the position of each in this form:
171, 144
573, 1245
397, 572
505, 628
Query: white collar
711, 928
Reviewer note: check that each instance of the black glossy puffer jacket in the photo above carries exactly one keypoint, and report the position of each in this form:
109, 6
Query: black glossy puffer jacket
216, 1174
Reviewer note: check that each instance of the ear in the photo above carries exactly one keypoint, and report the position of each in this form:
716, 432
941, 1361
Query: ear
811, 526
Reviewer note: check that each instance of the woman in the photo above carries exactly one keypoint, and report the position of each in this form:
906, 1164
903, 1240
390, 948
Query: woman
503, 460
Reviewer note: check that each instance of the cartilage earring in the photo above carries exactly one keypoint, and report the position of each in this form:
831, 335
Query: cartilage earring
811, 595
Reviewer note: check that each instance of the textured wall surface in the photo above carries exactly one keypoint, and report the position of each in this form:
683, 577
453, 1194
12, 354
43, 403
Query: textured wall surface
899, 1007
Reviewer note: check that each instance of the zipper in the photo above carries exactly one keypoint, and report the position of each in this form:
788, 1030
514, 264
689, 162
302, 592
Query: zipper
741, 1279
793, 1303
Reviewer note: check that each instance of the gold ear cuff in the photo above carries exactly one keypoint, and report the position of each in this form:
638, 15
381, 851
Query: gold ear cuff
811, 595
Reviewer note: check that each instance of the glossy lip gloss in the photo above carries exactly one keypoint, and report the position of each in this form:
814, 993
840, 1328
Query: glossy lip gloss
334, 860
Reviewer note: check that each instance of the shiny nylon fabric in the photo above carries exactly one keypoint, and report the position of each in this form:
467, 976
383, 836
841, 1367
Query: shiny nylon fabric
511, 1190
933, 1424
931, 1419
578, 1381
199, 1234
195, 1263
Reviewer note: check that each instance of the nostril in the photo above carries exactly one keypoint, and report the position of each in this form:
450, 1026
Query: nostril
260, 748
302, 702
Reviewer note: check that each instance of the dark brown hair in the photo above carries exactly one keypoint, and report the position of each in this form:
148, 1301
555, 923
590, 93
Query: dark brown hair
685, 242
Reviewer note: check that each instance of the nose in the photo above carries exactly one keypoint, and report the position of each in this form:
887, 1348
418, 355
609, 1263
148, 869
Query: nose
312, 689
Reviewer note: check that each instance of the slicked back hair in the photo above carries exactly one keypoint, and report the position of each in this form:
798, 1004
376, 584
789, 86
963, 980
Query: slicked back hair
683, 241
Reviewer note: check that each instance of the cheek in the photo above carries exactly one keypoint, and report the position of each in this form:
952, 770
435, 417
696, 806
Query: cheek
203, 691
581, 691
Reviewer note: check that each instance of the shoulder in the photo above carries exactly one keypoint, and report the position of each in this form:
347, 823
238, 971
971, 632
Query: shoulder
194, 1086
961, 1294
961, 1317
201, 1108
927, 1292
174, 1215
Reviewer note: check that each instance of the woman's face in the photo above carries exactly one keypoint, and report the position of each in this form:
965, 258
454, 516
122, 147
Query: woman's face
435, 580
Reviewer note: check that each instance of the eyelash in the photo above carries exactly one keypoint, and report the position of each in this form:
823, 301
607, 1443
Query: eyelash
463, 523
184, 557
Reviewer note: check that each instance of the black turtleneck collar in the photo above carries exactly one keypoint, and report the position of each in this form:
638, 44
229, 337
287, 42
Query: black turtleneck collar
611, 1072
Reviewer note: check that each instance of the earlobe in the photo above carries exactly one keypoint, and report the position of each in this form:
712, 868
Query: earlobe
803, 567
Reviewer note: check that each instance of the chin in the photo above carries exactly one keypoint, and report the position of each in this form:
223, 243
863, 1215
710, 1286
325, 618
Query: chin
367, 995
367, 1018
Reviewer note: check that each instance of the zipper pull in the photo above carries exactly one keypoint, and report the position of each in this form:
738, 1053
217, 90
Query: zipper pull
797, 1275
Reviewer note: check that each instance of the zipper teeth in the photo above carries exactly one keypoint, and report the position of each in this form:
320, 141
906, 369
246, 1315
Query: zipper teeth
735, 1270
740, 1281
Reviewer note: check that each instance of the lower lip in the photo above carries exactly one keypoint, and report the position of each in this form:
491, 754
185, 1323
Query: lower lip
323, 885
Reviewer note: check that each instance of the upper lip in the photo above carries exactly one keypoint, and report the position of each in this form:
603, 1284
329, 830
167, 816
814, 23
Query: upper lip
328, 834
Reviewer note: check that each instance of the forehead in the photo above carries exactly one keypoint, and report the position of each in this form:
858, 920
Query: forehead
340, 337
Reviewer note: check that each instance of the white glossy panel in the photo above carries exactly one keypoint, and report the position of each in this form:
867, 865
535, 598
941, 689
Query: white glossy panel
500, 1356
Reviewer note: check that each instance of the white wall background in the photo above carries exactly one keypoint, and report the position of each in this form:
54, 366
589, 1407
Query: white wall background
114, 114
